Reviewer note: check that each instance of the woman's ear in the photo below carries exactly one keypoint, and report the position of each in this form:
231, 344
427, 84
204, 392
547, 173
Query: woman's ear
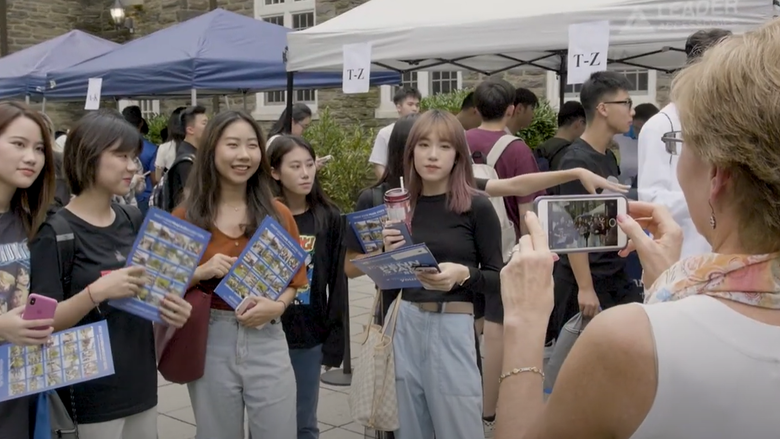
275, 174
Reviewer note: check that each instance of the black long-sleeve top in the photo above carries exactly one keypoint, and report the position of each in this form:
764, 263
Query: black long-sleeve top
316, 316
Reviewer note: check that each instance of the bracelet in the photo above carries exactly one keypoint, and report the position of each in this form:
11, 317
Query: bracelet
89, 293
283, 304
517, 371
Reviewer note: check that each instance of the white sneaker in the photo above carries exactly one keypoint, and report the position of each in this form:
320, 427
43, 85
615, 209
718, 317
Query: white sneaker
488, 427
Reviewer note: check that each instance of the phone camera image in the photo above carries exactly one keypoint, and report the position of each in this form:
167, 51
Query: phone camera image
32, 301
581, 224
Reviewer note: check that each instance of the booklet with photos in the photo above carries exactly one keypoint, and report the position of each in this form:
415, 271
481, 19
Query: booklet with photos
367, 225
265, 267
396, 269
72, 356
170, 250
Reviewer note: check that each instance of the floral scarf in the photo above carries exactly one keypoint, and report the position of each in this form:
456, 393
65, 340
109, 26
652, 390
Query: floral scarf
748, 279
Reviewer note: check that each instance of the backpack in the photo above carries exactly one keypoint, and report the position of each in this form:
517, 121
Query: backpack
66, 244
487, 171
162, 197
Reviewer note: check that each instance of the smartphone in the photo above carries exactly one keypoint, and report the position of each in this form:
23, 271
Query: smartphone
244, 307
401, 227
427, 269
39, 308
586, 223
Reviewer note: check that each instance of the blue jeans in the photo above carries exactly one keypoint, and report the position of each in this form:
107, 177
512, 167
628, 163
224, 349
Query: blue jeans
436, 375
306, 364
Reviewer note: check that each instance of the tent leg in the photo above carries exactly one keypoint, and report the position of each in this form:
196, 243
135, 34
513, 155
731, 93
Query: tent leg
244, 101
194, 97
562, 79
288, 110
43, 106
27, 99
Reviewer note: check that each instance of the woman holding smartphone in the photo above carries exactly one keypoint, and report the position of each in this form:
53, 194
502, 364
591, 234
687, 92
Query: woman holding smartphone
314, 322
99, 163
247, 364
437, 379
26, 190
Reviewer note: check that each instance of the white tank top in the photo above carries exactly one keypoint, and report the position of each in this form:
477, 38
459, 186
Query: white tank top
718, 373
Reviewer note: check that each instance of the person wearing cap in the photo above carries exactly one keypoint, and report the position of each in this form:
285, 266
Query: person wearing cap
657, 167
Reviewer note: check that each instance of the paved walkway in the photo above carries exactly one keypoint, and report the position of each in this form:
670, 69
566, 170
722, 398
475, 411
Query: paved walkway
176, 420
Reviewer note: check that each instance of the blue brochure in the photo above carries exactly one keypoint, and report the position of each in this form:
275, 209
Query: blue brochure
367, 225
170, 249
266, 266
69, 357
395, 269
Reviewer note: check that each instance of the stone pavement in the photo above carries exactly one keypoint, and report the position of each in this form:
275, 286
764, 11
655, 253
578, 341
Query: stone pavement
176, 420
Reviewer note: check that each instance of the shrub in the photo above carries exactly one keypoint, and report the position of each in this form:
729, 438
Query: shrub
156, 125
543, 127
348, 172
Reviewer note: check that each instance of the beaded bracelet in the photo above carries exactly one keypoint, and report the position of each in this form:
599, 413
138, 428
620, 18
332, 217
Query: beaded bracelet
518, 371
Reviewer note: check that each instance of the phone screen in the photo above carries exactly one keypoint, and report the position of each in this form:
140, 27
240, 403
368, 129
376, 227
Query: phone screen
582, 224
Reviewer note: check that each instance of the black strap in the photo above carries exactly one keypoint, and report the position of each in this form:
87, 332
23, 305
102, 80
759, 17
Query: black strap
378, 194
66, 249
555, 153
168, 203
133, 214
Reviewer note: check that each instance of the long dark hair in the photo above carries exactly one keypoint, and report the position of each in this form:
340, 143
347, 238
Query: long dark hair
32, 203
395, 151
299, 111
204, 186
318, 201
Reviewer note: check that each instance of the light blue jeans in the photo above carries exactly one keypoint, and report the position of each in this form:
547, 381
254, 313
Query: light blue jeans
246, 368
307, 364
437, 379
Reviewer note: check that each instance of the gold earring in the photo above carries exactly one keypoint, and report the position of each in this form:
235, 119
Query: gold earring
713, 223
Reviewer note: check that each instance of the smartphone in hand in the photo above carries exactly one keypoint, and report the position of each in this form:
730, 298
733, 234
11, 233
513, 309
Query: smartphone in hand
39, 308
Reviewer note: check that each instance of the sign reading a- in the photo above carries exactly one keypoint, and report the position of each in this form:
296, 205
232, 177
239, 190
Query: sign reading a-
588, 48
357, 68
93, 94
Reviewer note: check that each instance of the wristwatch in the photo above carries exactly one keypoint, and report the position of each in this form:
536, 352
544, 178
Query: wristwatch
464, 280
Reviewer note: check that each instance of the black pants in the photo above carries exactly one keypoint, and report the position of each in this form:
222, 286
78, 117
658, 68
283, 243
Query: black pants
611, 291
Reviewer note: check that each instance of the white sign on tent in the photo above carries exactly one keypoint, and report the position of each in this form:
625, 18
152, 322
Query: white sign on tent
588, 48
357, 68
93, 94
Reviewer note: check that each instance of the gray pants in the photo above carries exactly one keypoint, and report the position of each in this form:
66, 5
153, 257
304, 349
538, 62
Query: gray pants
437, 379
246, 368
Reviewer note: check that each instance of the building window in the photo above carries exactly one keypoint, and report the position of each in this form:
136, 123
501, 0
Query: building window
149, 108
408, 79
639, 80
642, 90
297, 15
443, 82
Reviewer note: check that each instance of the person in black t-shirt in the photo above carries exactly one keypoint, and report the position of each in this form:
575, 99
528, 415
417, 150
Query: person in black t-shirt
194, 120
99, 162
437, 381
314, 321
571, 125
596, 280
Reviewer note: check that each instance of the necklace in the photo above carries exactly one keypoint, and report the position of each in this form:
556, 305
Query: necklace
235, 209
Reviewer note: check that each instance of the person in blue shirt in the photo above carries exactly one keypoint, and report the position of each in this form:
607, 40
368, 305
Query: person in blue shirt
132, 114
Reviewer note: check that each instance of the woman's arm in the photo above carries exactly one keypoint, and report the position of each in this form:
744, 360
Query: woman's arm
526, 184
605, 388
484, 279
333, 346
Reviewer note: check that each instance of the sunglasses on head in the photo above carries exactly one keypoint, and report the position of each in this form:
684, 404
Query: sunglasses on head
671, 141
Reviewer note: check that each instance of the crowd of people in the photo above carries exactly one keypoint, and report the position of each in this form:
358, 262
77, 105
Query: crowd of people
706, 174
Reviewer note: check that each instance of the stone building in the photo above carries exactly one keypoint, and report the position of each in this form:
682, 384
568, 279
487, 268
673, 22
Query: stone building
28, 22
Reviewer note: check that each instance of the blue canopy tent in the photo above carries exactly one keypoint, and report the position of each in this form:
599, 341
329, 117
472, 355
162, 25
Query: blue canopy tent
23, 73
216, 53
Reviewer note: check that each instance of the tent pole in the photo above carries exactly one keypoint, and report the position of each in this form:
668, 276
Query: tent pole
244, 100
43, 105
194, 97
3, 28
27, 99
562, 79
289, 108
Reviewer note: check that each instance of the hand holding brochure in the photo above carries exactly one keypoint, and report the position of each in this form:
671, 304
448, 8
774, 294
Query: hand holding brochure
265, 267
170, 249
395, 269
367, 225
69, 357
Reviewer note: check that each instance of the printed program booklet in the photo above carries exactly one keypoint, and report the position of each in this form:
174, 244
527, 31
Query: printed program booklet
69, 357
265, 267
395, 269
170, 249
367, 225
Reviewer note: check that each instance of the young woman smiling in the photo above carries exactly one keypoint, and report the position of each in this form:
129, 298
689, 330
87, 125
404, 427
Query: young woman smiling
313, 323
437, 379
26, 190
99, 162
247, 365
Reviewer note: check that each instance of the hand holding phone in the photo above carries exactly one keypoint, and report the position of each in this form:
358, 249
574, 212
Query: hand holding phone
39, 308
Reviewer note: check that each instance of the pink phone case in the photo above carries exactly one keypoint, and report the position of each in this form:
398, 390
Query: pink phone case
39, 308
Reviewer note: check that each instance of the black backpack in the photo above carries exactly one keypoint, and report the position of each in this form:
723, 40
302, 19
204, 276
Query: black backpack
66, 245
162, 194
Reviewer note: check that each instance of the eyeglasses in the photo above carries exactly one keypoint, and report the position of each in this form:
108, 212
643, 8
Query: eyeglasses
671, 140
628, 103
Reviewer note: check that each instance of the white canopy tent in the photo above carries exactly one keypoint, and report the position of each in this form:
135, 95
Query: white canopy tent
492, 36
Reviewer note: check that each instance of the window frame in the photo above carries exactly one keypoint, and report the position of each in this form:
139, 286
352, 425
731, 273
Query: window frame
639, 96
386, 109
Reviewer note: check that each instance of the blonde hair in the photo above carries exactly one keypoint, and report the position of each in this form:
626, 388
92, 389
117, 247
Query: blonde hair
729, 106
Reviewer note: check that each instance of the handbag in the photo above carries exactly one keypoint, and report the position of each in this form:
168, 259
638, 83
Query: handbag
52, 420
569, 334
372, 395
181, 353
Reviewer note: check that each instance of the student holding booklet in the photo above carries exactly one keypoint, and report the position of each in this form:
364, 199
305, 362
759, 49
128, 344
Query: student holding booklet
247, 364
440, 392
99, 163
314, 323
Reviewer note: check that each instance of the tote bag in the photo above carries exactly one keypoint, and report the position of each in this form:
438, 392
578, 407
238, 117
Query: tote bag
569, 334
372, 397
52, 420
181, 353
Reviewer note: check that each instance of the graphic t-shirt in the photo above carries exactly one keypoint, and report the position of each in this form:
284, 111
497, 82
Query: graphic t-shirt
303, 295
14, 287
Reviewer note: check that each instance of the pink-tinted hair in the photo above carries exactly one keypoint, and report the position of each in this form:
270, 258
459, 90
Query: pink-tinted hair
461, 187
